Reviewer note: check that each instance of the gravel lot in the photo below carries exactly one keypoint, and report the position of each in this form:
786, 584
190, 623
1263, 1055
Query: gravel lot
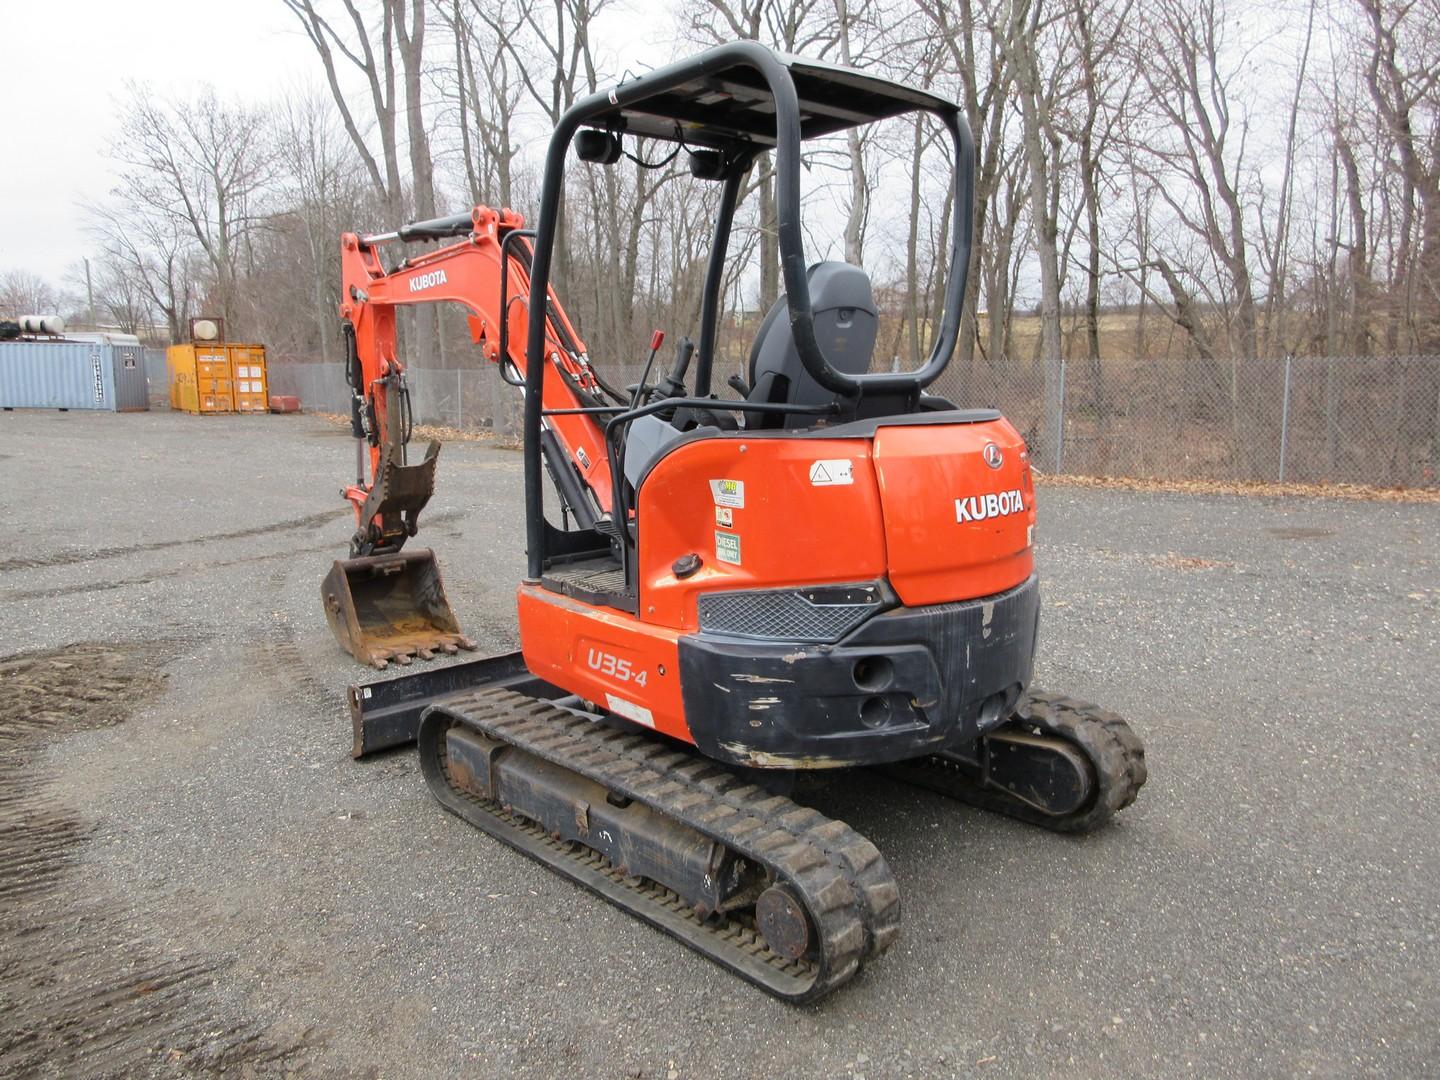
1268, 907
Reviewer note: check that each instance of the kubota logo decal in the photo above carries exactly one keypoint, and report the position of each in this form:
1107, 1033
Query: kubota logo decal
428, 281
992, 455
996, 504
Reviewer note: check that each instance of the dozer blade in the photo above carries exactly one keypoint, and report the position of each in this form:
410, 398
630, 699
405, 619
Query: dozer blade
387, 609
385, 713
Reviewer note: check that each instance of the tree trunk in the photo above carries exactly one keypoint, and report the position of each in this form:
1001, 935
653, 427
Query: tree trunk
1020, 46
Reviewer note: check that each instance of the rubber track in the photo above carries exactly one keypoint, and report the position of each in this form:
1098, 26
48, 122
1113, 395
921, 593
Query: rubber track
841, 878
1115, 753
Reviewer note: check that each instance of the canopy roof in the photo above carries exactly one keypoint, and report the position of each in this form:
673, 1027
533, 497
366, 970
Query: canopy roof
734, 103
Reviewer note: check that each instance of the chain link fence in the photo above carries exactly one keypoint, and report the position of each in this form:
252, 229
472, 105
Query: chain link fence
157, 377
1343, 419
458, 398
1334, 419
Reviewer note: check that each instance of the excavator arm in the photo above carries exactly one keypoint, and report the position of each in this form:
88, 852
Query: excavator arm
487, 272
385, 605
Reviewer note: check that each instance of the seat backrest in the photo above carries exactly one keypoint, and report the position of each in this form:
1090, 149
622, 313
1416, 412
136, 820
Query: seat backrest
845, 326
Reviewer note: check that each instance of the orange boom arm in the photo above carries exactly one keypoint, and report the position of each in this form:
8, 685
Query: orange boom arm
488, 273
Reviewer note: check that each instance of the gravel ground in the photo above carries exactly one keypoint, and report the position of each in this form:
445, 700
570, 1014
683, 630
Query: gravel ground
1268, 907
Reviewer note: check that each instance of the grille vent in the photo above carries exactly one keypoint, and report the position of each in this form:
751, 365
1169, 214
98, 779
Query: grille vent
821, 614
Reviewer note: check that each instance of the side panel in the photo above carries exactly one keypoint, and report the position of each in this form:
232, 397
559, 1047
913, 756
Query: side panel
56, 375
605, 656
184, 391
216, 386
132, 393
248, 378
760, 513
958, 517
200, 378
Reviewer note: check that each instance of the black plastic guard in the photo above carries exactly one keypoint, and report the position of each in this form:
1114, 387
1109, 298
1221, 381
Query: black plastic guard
905, 683
386, 713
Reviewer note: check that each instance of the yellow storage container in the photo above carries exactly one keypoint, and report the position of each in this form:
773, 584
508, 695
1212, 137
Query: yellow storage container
247, 372
210, 377
200, 379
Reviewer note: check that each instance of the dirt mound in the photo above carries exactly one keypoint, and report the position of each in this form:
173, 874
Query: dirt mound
83, 993
70, 689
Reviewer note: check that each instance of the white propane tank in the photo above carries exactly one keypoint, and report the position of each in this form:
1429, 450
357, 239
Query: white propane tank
53, 325
206, 330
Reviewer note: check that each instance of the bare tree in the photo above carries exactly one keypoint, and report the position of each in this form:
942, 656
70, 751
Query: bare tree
195, 169
120, 300
410, 43
203, 165
372, 54
972, 57
1042, 143
1402, 71
486, 92
1358, 248
1199, 152
792, 26
924, 136
857, 211
321, 193
1104, 90
26, 293
153, 253
1275, 246
555, 59
374, 60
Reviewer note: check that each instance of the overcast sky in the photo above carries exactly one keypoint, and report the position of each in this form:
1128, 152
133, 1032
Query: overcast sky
63, 66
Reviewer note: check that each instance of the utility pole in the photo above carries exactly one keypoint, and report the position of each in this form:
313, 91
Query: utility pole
90, 295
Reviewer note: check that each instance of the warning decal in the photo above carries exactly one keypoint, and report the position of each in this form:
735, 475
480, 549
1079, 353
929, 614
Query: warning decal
724, 516
831, 473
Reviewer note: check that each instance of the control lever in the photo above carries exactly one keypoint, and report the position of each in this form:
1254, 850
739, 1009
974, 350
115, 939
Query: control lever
673, 385
637, 390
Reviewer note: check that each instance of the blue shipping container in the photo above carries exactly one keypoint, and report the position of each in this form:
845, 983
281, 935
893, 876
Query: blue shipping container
71, 375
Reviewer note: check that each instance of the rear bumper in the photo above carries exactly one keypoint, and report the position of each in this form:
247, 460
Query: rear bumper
904, 683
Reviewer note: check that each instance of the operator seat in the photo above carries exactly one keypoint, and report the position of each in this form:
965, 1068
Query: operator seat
845, 326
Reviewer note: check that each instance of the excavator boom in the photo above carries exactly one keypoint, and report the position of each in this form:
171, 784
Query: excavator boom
385, 605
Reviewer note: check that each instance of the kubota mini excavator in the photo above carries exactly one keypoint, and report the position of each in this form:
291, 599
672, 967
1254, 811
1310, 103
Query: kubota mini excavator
833, 571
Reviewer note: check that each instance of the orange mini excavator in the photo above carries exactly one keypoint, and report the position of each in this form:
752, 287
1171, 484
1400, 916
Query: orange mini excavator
833, 570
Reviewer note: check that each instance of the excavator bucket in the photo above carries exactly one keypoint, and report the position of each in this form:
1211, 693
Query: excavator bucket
386, 609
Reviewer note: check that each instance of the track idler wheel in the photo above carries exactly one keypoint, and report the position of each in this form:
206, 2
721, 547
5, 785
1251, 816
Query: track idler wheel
782, 922
1059, 763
